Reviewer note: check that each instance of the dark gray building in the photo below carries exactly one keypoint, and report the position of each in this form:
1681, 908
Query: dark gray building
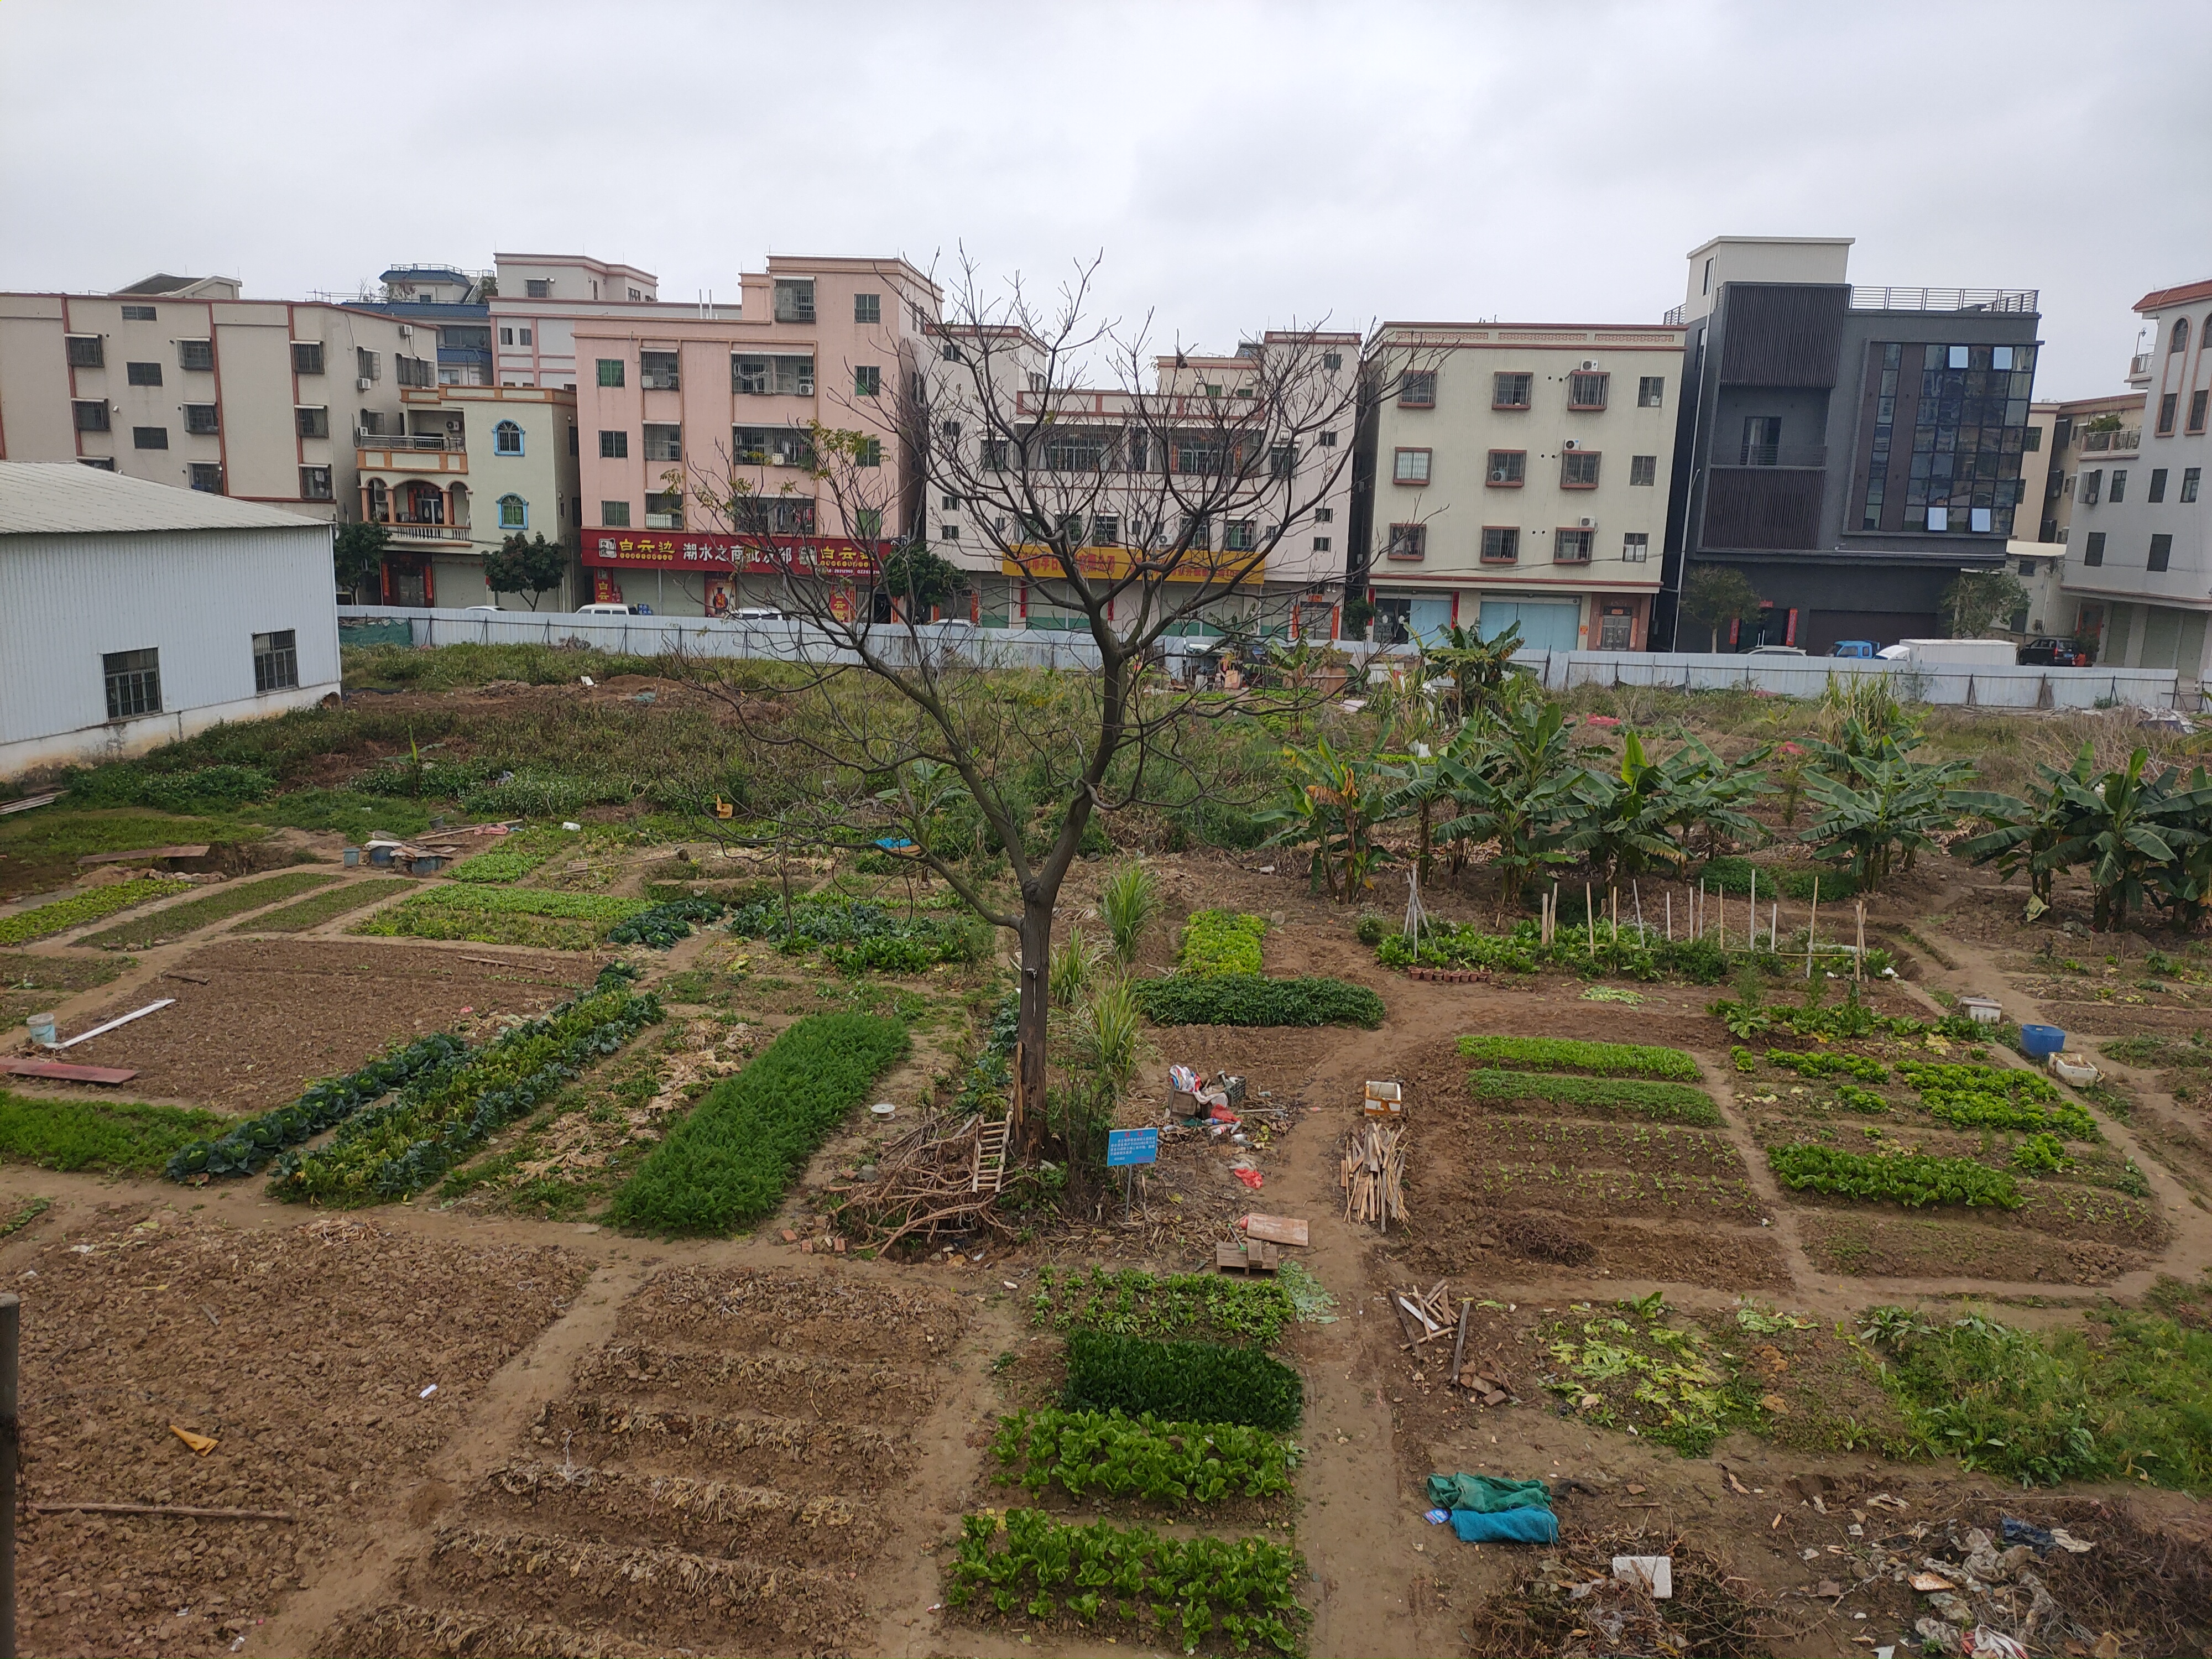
1848, 450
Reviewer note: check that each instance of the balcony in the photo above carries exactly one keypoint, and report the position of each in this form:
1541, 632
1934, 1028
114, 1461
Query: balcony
2018, 300
410, 452
2125, 441
2139, 369
407, 530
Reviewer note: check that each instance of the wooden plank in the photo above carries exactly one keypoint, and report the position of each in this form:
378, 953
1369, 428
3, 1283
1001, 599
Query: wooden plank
198, 852
1275, 1228
28, 802
55, 1069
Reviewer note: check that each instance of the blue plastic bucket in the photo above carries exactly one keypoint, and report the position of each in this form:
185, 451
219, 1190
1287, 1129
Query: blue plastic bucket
2041, 1041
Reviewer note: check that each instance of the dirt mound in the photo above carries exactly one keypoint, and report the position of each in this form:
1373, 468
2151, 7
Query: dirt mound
789, 1385
1539, 1238
412, 1633
813, 1456
684, 1600
759, 1523
829, 1314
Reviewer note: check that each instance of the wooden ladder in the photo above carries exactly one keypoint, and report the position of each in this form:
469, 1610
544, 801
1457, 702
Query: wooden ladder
990, 1159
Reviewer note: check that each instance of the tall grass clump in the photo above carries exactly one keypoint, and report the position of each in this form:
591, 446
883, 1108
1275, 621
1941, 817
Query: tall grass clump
1072, 965
1129, 902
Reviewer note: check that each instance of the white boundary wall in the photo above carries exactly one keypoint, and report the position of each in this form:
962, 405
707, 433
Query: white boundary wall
790, 641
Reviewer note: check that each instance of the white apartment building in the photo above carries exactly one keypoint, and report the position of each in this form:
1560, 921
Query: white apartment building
2139, 546
1128, 438
1517, 473
462, 468
539, 296
180, 381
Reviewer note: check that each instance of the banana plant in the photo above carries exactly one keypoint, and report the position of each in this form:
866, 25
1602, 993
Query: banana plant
1338, 801
1478, 668
1878, 807
1637, 818
2027, 835
2129, 831
1513, 783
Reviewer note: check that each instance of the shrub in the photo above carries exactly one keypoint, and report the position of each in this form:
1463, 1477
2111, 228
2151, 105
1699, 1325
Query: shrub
200, 789
1992, 1097
1661, 1102
727, 1164
1250, 1000
1136, 1303
398, 1148
1187, 1382
1564, 1054
1216, 942
74, 912
1909, 1178
225, 902
1129, 902
1370, 928
1185, 1464
1177, 1590
1827, 1064
250, 1144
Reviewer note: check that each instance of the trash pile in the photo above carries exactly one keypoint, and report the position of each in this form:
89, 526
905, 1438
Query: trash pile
1621, 1592
1991, 1600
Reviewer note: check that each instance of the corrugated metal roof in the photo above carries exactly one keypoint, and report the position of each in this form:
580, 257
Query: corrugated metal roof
47, 498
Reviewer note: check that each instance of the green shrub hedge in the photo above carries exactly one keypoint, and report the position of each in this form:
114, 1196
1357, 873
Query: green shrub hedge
728, 1163
1216, 942
1661, 1102
1564, 1055
1185, 1382
1250, 1000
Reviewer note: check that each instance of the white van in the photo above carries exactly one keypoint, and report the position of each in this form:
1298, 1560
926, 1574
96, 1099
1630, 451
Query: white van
607, 611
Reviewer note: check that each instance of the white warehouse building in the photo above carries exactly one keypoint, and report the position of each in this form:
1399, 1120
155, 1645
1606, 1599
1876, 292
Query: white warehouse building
132, 614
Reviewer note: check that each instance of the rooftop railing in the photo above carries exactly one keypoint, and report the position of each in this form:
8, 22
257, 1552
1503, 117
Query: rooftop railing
2016, 300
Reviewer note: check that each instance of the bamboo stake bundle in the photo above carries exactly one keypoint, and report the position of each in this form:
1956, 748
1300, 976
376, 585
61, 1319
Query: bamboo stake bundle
1371, 1170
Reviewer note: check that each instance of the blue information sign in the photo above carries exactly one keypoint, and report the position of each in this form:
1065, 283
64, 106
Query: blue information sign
1132, 1147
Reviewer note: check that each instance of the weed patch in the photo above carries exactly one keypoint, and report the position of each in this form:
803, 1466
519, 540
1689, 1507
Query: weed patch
115, 1137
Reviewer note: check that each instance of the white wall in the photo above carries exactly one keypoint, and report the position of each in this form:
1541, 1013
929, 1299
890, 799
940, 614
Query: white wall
198, 597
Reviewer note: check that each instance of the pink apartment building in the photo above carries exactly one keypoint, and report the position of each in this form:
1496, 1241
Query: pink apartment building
668, 400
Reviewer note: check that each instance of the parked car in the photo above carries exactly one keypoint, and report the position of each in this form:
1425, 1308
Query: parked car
757, 613
2050, 652
1776, 651
606, 609
1895, 653
1861, 649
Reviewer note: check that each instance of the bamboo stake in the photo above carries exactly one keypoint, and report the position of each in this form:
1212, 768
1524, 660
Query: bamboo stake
1670, 918
1858, 961
1636, 892
1589, 915
1812, 926
1774, 927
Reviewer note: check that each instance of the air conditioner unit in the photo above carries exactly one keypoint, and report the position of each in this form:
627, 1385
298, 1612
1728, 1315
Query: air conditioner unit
1589, 365
1572, 443
406, 330
363, 384
1588, 524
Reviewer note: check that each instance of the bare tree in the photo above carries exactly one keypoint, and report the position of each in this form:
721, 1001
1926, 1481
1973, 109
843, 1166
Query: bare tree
1135, 498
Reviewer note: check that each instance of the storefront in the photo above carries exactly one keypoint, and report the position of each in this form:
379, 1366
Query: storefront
694, 573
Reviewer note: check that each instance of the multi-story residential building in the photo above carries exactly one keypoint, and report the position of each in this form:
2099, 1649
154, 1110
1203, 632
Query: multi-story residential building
462, 468
2038, 466
1849, 450
674, 407
181, 381
1517, 473
1121, 447
2139, 543
537, 298
449, 304
2083, 434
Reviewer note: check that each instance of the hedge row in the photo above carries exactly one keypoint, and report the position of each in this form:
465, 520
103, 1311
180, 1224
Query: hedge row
1564, 1054
1661, 1102
1181, 1382
729, 1163
1250, 1000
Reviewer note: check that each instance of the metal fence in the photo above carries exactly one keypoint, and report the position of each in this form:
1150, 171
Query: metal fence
1994, 686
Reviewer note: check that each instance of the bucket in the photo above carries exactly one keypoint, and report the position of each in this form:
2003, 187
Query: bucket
42, 1029
2041, 1041
353, 858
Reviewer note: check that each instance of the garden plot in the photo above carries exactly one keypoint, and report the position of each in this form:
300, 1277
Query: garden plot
302, 1351
504, 915
1527, 1148
717, 1479
1892, 1150
256, 1021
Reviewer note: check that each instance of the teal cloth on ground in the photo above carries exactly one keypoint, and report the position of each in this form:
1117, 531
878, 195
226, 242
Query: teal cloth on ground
1485, 1494
1529, 1526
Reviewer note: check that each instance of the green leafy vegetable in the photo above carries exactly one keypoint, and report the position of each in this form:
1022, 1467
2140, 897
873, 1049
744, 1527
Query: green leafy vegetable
1186, 1382
1249, 1000
1221, 942
1661, 1102
1910, 1178
1186, 1464
1562, 1054
74, 912
1135, 1303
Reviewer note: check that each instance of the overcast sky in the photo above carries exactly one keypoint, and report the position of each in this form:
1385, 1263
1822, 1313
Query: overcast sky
1238, 166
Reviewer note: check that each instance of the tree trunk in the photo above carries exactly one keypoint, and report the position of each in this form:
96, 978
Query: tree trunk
1036, 994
